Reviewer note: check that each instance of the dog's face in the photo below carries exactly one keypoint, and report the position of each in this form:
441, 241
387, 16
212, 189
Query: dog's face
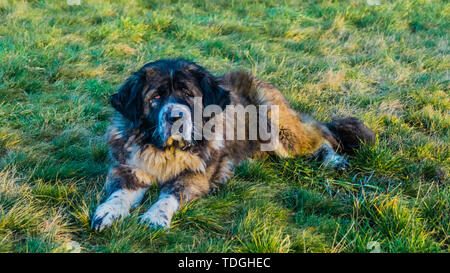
159, 101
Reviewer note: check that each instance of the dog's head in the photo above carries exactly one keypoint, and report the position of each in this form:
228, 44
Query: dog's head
159, 100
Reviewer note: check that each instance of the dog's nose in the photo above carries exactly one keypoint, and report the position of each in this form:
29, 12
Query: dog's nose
172, 117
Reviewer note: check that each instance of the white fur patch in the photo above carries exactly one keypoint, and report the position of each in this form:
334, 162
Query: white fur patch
161, 213
116, 206
331, 158
185, 121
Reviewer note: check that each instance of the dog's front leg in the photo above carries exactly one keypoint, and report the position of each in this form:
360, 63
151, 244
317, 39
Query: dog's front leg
126, 187
117, 206
161, 213
173, 195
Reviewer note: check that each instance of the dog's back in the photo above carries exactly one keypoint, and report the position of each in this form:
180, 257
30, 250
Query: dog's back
298, 133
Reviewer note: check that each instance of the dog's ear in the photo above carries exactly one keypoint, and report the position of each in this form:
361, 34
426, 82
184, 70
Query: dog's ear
213, 93
128, 100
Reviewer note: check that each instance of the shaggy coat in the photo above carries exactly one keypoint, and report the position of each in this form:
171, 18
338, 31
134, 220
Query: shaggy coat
143, 153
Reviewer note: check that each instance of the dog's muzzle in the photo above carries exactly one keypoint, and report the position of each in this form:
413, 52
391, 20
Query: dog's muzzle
175, 125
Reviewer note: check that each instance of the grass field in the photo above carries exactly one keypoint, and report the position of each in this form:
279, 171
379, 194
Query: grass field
387, 64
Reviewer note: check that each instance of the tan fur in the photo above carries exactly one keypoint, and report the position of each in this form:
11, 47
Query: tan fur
296, 136
144, 176
165, 164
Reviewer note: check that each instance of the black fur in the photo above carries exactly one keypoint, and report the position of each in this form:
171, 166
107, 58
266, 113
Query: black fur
128, 100
214, 94
350, 133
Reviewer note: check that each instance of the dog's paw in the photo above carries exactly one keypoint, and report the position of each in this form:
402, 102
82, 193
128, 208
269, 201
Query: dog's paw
106, 214
342, 164
155, 218
336, 161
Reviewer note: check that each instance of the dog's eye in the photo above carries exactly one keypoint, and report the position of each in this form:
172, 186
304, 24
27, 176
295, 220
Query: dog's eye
155, 98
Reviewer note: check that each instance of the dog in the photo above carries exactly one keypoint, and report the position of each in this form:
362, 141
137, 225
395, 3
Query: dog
145, 151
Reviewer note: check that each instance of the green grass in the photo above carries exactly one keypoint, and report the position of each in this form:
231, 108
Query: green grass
386, 64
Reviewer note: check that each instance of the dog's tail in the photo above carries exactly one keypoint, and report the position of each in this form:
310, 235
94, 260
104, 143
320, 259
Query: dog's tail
350, 133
